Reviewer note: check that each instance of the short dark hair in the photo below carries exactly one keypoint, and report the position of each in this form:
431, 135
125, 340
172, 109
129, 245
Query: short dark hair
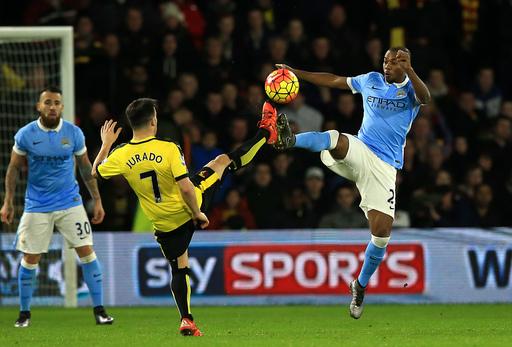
140, 111
51, 89
400, 48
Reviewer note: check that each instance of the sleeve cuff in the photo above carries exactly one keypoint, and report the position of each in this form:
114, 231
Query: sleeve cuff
82, 151
181, 177
99, 174
18, 151
349, 82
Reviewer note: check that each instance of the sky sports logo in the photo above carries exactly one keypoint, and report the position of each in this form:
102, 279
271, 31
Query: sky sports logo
284, 269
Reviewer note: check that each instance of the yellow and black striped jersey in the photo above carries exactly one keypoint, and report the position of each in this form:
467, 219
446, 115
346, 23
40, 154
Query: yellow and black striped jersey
152, 167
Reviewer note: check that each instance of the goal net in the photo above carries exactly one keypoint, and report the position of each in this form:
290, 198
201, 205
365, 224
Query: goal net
32, 58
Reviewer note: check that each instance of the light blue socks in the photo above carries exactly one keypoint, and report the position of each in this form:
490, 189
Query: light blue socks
317, 141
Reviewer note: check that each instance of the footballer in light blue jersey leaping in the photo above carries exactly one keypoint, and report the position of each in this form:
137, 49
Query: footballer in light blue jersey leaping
391, 102
50, 146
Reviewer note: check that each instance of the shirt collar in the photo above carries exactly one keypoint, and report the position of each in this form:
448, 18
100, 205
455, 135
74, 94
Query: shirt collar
45, 129
403, 83
146, 139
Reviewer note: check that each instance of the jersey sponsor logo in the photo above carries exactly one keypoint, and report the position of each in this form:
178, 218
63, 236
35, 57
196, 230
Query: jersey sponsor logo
137, 158
51, 160
382, 103
320, 269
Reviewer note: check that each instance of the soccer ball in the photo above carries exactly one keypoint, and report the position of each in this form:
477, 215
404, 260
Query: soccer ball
282, 86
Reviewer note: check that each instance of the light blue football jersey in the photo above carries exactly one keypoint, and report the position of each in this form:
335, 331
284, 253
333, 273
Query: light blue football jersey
389, 110
52, 184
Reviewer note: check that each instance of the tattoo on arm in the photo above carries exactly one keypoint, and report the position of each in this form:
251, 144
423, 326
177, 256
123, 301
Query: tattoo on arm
85, 167
10, 181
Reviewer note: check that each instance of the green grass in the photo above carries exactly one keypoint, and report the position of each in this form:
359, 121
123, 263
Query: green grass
381, 325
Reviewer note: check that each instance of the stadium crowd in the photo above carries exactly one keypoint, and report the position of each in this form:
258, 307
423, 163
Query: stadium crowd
206, 61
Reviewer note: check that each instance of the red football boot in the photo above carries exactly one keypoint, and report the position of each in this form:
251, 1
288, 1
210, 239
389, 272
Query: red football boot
269, 121
189, 328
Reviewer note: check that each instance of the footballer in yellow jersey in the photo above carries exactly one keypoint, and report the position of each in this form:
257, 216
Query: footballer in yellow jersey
172, 199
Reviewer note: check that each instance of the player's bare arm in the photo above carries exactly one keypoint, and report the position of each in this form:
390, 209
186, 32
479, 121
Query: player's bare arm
188, 193
109, 136
322, 79
85, 168
421, 90
15, 165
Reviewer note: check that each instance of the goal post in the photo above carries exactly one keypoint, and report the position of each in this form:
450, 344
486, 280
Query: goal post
32, 58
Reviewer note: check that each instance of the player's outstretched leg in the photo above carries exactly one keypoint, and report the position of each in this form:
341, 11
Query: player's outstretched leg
26, 280
266, 134
93, 277
313, 140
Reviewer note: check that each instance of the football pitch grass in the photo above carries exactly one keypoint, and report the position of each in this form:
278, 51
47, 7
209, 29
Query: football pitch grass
381, 325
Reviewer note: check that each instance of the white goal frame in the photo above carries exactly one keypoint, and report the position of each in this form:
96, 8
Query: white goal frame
67, 84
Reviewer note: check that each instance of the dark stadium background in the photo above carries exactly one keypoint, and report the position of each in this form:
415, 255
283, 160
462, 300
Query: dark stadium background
206, 62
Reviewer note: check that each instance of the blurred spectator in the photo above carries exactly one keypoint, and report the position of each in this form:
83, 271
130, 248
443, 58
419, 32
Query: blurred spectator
488, 214
314, 189
263, 202
297, 41
189, 84
226, 34
232, 214
278, 48
373, 59
304, 116
238, 133
487, 94
467, 120
168, 63
214, 70
206, 151
344, 40
506, 109
346, 114
298, 213
91, 124
111, 70
344, 214
135, 41
254, 41
230, 98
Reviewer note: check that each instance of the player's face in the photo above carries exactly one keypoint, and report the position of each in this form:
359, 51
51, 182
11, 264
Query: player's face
50, 108
392, 71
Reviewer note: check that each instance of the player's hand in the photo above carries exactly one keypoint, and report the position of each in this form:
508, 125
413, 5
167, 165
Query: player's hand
200, 220
404, 60
7, 213
108, 133
99, 213
284, 66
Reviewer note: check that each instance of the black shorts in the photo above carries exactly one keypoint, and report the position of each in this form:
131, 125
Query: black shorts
174, 243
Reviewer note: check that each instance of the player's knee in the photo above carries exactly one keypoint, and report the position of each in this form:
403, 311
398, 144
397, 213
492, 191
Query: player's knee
341, 149
381, 230
31, 259
84, 251
219, 164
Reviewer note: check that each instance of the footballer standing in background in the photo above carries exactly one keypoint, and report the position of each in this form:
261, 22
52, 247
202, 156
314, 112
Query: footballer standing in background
371, 159
174, 201
50, 145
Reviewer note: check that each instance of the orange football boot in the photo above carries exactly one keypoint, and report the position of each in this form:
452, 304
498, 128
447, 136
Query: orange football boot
269, 121
189, 328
